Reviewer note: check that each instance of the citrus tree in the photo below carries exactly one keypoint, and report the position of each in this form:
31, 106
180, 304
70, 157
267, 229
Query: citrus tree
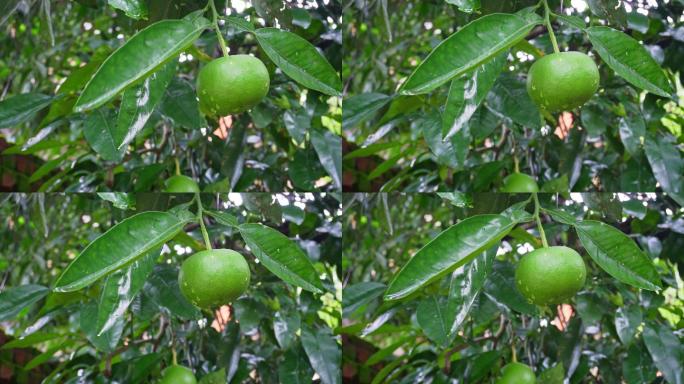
170, 288
580, 95
104, 95
513, 288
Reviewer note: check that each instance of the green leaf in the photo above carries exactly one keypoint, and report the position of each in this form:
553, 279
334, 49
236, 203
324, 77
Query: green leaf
467, 93
285, 327
553, 375
106, 341
281, 256
328, 146
143, 54
162, 287
435, 318
667, 165
666, 350
138, 103
632, 128
7, 9
14, 299
452, 248
180, 105
31, 340
120, 245
359, 108
630, 60
509, 99
611, 10
451, 151
357, 295
120, 288
223, 218
239, 23
618, 254
500, 287
19, 109
323, 352
103, 135
135, 9
295, 368
465, 288
300, 60
627, 320
469, 47
371, 149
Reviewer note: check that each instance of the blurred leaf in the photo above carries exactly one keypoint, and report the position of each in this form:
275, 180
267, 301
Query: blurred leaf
19, 109
666, 351
323, 352
14, 299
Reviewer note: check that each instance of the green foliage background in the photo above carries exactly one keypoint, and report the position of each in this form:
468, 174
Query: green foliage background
617, 140
609, 332
261, 333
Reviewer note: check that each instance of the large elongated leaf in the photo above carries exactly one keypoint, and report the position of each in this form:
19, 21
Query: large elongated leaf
667, 165
162, 287
137, 58
618, 254
627, 320
466, 94
120, 288
468, 48
452, 248
323, 352
629, 59
120, 245
13, 300
300, 60
138, 103
509, 99
281, 256
666, 350
20, 108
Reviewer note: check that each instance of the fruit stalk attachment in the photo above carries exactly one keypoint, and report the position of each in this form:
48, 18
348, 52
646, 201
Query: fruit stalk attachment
542, 234
222, 42
547, 21
200, 218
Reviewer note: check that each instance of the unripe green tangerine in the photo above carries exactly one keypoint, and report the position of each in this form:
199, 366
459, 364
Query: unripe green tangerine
178, 374
550, 275
181, 184
215, 277
562, 81
519, 183
517, 373
231, 85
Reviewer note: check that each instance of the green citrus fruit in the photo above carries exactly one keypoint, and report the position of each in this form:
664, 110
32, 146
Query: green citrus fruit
550, 275
517, 373
178, 374
211, 278
519, 183
562, 81
181, 184
231, 85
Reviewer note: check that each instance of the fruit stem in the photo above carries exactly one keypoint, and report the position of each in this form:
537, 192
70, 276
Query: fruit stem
547, 21
516, 163
177, 166
542, 234
200, 218
222, 42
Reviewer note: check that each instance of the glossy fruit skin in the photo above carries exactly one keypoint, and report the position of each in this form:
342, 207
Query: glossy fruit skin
517, 373
562, 81
209, 279
178, 374
550, 275
231, 85
519, 183
181, 184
